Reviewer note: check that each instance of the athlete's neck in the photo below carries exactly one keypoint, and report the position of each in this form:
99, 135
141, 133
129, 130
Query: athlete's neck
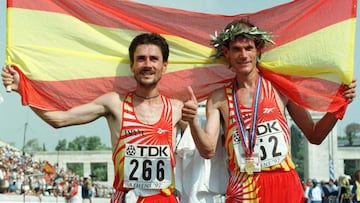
248, 81
146, 97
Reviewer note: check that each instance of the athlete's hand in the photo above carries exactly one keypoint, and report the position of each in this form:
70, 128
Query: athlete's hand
10, 78
189, 111
350, 91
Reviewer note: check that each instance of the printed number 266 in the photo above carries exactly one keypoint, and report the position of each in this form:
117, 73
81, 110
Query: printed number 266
147, 167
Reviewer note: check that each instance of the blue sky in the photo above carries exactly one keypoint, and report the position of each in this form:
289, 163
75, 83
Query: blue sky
13, 116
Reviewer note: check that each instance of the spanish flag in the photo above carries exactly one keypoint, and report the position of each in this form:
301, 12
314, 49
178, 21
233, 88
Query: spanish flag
48, 168
70, 52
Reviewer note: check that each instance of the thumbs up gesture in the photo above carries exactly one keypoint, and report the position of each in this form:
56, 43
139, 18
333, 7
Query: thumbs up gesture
189, 111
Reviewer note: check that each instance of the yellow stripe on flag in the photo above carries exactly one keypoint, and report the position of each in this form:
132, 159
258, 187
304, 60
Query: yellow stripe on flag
84, 50
314, 54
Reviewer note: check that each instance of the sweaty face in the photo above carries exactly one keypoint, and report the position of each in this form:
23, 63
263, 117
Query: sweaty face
242, 55
148, 65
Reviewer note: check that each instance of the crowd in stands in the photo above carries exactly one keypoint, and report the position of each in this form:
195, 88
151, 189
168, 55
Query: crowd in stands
21, 175
341, 190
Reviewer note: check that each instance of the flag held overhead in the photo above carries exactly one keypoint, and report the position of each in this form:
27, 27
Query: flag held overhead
69, 52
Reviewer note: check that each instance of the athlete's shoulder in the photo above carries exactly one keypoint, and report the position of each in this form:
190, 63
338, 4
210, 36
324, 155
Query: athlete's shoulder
110, 99
176, 103
218, 94
114, 95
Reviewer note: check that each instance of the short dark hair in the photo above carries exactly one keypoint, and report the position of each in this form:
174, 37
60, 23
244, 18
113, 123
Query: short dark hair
149, 38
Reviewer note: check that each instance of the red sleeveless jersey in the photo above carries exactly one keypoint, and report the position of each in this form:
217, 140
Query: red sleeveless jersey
277, 181
148, 138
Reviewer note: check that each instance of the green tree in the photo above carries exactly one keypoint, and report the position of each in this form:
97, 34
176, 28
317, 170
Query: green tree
61, 145
297, 149
82, 143
94, 143
99, 171
77, 168
351, 131
33, 145
78, 144
349, 166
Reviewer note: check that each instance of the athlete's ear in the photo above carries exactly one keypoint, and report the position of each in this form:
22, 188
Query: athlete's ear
131, 67
225, 51
165, 65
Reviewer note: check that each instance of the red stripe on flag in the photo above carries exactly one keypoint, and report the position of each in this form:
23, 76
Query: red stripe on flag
313, 93
37, 93
288, 21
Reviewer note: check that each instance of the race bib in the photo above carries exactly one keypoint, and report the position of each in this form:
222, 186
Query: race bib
147, 166
270, 144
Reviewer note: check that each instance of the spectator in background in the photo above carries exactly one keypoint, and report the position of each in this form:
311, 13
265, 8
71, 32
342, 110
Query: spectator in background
326, 191
316, 194
344, 190
355, 192
12, 187
35, 184
73, 192
333, 189
86, 190
307, 186
2, 178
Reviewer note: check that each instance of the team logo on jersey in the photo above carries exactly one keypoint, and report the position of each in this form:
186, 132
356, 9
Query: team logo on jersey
161, 131
268, 110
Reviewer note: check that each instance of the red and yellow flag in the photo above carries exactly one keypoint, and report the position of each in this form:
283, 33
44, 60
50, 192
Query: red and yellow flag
48, 168
69, 52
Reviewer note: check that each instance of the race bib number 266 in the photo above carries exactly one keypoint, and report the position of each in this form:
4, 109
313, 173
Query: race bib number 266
147, 166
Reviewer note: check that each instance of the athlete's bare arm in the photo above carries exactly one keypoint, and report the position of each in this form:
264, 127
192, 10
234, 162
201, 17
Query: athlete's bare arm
316, 131
77, 115
205, 140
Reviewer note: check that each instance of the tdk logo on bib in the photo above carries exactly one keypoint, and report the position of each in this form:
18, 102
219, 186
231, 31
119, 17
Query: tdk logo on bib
148, 150
268, 128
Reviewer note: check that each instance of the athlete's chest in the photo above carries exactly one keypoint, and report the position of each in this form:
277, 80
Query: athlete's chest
148, 114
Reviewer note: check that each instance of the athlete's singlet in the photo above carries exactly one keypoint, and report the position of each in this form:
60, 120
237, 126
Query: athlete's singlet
274, 178
144, 156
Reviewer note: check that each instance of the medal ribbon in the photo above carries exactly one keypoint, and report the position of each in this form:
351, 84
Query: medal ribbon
248, 146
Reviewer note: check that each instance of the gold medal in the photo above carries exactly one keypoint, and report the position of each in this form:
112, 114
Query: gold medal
249, 168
